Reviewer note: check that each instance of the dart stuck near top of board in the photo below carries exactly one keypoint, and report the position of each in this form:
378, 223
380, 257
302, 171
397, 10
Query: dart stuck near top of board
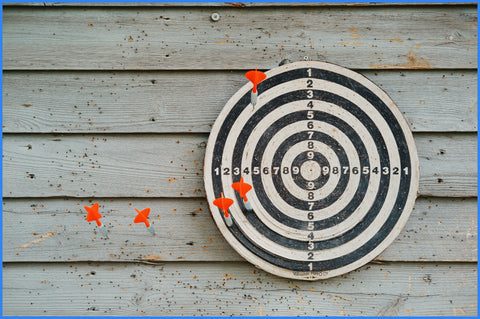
329, 164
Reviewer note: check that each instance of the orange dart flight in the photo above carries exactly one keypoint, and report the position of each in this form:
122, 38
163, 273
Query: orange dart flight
93, 214
223, 203
242, 188
255, 77
142, 216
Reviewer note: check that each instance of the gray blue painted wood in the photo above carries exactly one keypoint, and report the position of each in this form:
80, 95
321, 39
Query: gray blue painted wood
150, 101
227, 288
45, 230
43, 47
164, 38
136, 165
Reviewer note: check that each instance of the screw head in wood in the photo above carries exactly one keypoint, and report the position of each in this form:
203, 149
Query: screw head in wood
215, 16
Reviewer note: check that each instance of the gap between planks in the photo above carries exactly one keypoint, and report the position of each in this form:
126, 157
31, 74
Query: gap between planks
234, 4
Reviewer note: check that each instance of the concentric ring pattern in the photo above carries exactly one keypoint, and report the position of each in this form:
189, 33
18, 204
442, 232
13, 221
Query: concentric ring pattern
333, 166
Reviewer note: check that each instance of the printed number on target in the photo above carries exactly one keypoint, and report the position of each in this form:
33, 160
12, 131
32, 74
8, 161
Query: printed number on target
332, 164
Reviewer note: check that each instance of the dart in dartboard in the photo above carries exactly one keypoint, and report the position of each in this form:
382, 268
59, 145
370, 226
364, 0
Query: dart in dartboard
243, 188
331, 168
255, 77
224, 203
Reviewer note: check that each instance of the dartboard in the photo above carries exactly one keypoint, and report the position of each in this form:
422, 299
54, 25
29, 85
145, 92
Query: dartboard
330, 166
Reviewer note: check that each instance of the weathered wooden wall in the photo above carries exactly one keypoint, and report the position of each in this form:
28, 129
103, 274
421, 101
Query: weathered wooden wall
114, 104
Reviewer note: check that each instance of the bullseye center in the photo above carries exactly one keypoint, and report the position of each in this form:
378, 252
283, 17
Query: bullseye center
310, 170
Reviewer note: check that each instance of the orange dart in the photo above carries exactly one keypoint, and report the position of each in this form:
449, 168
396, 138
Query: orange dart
224, 203
255, 77
94, 215
142, 217
243, 189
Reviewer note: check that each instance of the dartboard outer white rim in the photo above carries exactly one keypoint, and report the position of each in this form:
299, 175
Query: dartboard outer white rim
327, 198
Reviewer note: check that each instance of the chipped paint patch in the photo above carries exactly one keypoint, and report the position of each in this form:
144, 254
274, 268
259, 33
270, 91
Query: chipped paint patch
418, 45
459, 311
351, 43
414, 62
300, 299
344, 299
354, 33
397, 39
152, 257
37, 240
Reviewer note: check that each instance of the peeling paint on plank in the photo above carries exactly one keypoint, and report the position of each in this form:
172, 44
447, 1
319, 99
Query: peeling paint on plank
414, 62
37, 240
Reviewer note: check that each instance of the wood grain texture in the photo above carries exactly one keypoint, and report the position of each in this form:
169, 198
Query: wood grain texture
167, 165
219, 289
46, 230
175, 38
92, 102
188, 268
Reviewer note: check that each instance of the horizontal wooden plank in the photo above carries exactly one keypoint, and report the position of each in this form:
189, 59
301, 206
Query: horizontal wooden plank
167, 165
163, 38
45, 230
234, 289
459, 152
89, 102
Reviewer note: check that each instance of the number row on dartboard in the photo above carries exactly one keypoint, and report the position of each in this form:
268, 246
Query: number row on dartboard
325, 170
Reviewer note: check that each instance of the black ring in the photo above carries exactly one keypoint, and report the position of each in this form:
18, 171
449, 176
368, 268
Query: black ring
299, 179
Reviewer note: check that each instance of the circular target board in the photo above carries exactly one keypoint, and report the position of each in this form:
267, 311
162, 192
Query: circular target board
332, 166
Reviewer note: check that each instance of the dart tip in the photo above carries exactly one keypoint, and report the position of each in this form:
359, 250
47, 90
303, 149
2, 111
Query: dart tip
253, 98
151, 230
228, 221
104, 231
248, 206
